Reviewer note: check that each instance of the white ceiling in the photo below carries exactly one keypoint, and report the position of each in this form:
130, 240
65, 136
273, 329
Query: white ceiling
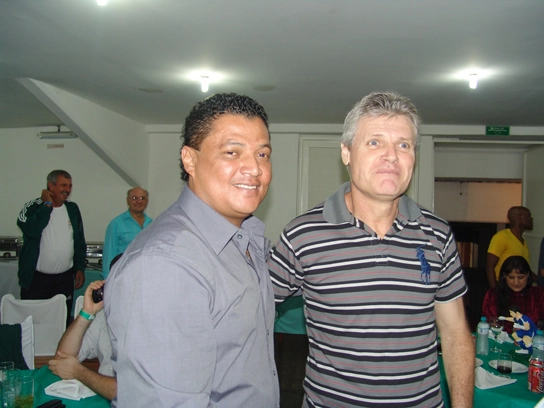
305, 61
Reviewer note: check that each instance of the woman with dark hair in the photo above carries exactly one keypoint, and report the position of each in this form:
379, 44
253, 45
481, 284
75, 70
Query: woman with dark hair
515, 288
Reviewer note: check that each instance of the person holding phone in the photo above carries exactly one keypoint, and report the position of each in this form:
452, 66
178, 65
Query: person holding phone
52, 258
87, 337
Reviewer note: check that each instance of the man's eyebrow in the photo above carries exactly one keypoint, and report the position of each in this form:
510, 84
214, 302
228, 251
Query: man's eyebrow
237, 143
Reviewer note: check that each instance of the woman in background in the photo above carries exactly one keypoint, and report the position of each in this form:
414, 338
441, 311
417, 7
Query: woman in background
515, 288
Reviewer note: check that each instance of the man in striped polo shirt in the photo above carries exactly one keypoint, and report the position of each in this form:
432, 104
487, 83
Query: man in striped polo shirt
379, 275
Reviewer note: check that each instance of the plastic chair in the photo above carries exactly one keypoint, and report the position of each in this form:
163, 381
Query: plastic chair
78, 305
48, 315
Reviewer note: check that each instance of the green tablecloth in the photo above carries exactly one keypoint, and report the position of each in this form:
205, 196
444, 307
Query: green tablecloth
44, 377
515, 395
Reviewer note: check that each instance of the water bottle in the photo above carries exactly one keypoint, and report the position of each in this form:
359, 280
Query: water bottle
482, 344
538, 345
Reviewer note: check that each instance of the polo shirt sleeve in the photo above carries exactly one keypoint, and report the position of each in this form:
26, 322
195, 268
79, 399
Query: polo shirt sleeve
452, 281
285, 269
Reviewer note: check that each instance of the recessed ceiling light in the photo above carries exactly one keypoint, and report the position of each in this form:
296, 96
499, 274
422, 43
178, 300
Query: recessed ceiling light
204, 83
102, 2
473, 81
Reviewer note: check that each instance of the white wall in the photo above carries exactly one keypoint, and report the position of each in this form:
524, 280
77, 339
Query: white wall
476, 202
25, 162
479, 163
100, 192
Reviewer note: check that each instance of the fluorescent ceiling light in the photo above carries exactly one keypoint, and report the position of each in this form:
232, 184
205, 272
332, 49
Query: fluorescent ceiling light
57, 135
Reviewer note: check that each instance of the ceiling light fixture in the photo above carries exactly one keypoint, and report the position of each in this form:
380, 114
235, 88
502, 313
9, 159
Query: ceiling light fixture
204, 83
57, 135
473, 81
102, 2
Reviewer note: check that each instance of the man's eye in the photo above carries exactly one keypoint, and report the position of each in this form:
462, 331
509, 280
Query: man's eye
405, 145
264, 155
373, 143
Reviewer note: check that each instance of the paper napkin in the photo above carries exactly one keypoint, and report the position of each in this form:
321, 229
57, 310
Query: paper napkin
484, 379
69, 389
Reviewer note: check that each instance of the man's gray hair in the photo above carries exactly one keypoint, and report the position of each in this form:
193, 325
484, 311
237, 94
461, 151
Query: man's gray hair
132, 188
378, 104
54, 175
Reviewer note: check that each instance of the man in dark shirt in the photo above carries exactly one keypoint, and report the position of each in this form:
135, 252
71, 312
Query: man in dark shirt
52, 259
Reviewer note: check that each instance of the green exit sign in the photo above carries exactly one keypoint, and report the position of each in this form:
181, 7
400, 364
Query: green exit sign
497, 130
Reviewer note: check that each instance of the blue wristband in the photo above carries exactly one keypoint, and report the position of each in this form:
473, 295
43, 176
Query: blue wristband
48, 203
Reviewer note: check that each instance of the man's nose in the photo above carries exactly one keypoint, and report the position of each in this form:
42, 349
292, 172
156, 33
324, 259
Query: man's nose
251, 166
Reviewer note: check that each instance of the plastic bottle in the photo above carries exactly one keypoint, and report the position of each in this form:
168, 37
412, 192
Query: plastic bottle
536, 364
482, 343
538, 345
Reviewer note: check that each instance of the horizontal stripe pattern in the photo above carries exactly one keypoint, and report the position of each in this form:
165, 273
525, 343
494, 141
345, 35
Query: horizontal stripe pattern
370, 315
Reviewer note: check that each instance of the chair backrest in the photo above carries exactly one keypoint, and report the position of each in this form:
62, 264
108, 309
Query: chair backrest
78, 305
48, 315
24, 347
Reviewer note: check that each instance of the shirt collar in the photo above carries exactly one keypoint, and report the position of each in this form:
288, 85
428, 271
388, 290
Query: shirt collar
336, 211
215, 228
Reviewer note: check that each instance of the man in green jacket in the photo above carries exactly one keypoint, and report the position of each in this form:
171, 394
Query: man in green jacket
52, 258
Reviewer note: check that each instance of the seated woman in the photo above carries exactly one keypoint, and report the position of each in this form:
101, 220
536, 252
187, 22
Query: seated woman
515, 288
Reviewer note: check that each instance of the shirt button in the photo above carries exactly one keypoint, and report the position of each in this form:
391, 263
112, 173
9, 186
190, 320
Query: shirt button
239, 236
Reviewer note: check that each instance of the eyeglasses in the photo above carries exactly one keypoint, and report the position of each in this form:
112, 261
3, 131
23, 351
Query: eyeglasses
141, 198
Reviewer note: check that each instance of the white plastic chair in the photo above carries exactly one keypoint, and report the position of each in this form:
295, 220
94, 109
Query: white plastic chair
78, 305
48, 315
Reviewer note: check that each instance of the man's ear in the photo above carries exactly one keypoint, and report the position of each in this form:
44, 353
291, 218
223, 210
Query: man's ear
188, 158
345, 154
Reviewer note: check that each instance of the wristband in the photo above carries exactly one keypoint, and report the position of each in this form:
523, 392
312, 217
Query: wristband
48, 203
86, 315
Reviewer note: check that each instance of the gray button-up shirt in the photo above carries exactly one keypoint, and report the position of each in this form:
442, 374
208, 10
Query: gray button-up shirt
191, 316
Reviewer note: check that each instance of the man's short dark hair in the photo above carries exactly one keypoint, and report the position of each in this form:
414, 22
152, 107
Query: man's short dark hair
54, 175
199, 122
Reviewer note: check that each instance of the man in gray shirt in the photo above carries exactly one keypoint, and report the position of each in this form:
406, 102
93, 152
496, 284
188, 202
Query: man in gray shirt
190, 305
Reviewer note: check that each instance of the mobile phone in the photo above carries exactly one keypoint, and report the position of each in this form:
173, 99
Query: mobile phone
98, 295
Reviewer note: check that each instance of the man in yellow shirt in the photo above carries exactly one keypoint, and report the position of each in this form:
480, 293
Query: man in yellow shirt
508, 242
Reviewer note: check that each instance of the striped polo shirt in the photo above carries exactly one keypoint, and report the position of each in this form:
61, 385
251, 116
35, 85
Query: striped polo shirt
369, 302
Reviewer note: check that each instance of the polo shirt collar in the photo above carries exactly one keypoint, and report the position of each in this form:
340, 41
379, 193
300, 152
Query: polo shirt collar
335, 210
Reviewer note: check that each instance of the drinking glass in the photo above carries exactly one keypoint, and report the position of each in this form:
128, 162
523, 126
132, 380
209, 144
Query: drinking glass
24, 391
504, 364
7, 385
496, 327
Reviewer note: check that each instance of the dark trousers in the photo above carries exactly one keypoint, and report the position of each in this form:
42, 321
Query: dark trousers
45, 286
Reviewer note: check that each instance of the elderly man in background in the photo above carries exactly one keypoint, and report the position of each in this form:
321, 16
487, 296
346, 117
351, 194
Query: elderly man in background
190, 304
52, 258
123, 229
379, 275
508, 242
